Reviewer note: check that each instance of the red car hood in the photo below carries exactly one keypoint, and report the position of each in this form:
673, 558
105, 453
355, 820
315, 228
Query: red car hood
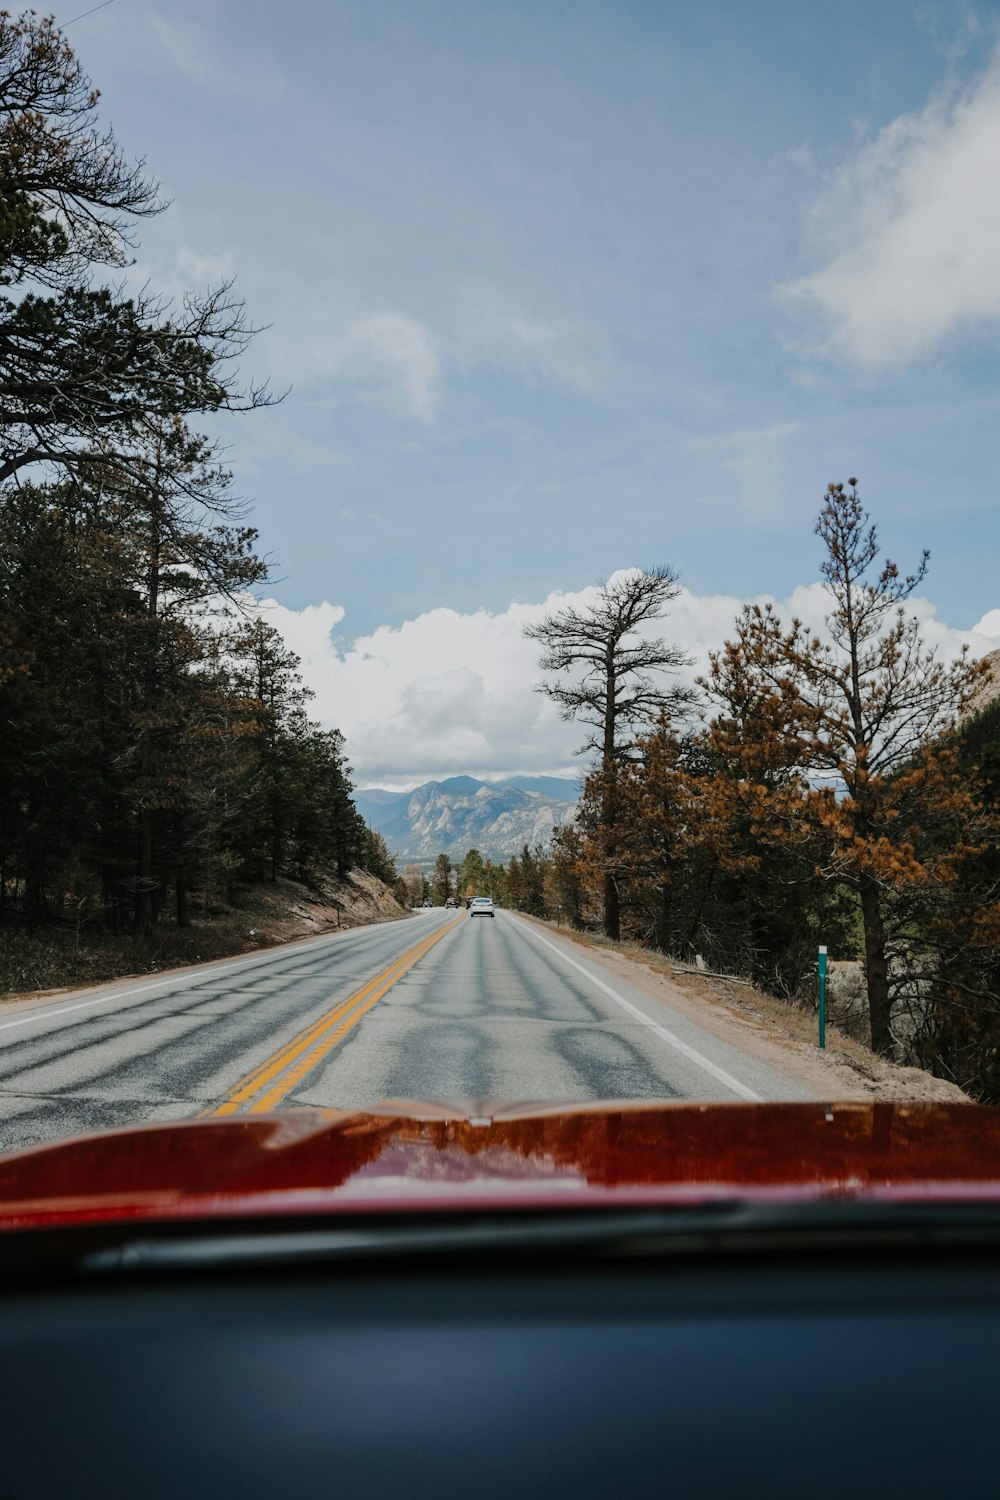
477, 1154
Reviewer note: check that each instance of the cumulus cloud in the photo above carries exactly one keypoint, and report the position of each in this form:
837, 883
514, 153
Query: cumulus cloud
913, 218
447, 692
443, 693
989, 625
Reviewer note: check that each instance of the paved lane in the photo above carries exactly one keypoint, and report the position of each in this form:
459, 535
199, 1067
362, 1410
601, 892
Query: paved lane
503, 1009
169, 1048
437, 1007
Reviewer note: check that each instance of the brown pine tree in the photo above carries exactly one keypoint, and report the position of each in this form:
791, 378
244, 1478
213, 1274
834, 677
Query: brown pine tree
846, 737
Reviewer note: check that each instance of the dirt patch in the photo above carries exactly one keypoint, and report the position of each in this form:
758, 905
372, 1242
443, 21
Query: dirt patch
49, 962
775, 1031
277, 914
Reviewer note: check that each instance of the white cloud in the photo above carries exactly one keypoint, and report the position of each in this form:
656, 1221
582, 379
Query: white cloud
392, 354
811, 603
197, 268
449, 692
988, 626
488, 327
913, 218
442, 693
797, 156
188, 269
308, 631
405, 363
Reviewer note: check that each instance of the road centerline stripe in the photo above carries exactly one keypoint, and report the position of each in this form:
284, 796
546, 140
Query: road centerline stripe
691, 1053
312, 1044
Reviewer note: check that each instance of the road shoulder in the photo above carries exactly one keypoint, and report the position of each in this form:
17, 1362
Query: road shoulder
776, 1033
292, 926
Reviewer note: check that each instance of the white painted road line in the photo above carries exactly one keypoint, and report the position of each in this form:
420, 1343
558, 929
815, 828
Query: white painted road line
176, 977
698, 1058
41, 1014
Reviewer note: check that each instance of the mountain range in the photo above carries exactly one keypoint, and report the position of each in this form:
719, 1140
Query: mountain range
461, 813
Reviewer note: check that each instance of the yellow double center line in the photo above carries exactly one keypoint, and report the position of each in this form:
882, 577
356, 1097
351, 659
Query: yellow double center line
266, 1086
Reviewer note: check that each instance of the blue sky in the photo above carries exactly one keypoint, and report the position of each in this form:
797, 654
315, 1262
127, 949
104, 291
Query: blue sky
562, 288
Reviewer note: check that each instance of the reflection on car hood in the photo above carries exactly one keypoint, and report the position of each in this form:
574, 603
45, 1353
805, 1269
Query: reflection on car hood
476, 1154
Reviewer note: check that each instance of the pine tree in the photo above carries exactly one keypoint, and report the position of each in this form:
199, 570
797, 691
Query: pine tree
81, 362
441, 880
614, 684
843, 731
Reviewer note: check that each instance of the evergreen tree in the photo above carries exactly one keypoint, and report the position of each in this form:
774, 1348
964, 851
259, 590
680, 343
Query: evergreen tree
834, 723
614, 684
470, 876
954, 929
441, 880
81, 363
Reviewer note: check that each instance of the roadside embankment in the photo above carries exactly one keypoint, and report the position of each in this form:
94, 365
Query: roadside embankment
51, 959
780, 1033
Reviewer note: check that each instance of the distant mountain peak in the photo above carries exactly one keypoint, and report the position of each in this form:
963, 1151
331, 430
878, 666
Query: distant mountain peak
462, 813
458, 786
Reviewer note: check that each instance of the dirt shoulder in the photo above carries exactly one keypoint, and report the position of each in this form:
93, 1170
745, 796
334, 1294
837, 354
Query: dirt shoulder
37, 967
772, 1030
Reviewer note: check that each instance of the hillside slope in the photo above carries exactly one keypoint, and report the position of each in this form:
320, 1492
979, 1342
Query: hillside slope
259, 916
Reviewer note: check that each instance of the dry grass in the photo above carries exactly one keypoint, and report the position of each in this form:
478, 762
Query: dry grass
784, 1025
259, 917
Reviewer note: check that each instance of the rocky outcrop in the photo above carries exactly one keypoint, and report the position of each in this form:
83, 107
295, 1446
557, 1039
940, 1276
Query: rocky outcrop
461, 813
987, 689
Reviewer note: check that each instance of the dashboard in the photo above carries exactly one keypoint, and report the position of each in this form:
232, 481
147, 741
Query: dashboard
172, 1368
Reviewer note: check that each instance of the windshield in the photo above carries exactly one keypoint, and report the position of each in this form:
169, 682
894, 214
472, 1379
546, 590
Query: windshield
468, 461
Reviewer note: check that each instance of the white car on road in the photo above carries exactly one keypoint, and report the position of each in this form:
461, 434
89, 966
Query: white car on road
481, 906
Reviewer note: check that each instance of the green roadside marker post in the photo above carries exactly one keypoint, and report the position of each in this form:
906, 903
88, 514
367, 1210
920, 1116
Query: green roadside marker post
559, 915
822, 996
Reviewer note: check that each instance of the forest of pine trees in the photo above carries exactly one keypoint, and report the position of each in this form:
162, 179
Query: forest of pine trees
820, 790
154, 733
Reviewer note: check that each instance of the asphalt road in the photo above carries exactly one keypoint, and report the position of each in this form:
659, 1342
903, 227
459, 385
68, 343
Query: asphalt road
443, 1006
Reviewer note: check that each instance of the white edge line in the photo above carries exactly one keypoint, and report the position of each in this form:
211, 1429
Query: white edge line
668, 1036
249, 961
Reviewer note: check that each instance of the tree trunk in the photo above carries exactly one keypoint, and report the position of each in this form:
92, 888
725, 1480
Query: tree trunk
180, 871
609, 810
661, 929
34, 866
34, 896
612, 911
109, 811
692, 933
876, 967
142, 908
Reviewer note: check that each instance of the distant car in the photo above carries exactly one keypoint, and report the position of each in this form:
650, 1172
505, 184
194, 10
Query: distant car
481, 906
451, 901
